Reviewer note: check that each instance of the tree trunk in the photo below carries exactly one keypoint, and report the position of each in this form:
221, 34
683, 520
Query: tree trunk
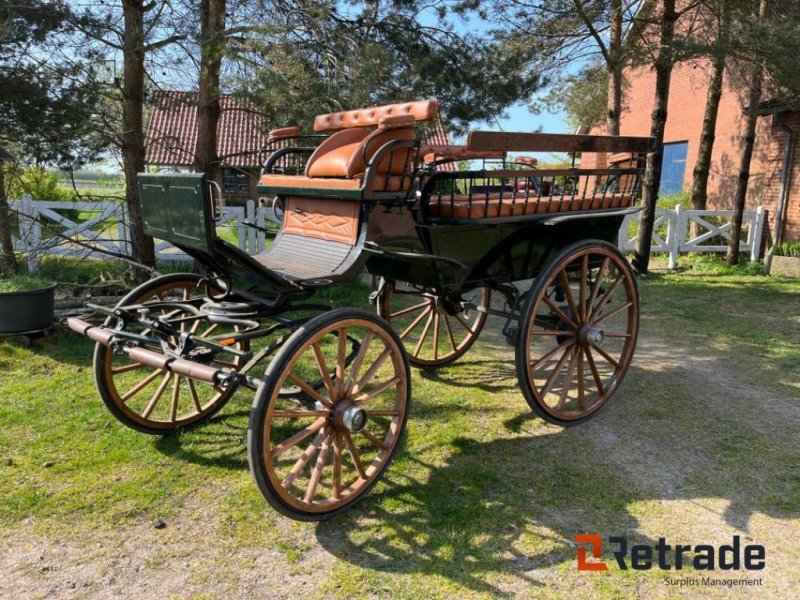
663, 68
133, 149
702, 167
9, 260
615, 69
732, 257
212, 45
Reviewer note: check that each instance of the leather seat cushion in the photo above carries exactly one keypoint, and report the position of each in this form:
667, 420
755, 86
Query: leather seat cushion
459, 207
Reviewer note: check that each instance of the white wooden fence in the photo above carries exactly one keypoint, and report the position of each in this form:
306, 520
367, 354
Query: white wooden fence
713, 226
102, 231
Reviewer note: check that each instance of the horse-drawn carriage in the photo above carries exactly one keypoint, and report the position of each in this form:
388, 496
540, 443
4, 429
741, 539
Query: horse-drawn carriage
333, 387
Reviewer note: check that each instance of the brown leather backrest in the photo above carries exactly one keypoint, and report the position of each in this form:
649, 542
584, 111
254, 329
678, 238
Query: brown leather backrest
283, 133
422, 110
332, 156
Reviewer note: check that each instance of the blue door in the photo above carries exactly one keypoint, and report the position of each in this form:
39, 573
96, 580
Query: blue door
674, 168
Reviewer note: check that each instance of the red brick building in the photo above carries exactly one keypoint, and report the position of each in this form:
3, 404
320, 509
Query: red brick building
687, 101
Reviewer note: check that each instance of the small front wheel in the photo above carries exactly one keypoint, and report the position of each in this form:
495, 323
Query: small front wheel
328, 417
578, 332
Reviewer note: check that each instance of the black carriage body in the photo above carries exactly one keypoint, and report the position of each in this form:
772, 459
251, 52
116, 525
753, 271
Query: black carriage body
481, 252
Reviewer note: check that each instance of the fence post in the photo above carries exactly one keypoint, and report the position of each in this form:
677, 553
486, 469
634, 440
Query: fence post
261, 222
674, 236
30, 231
758, 226
622, 235
250, 217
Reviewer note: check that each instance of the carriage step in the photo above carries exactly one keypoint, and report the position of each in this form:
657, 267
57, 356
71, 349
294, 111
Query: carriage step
303, 258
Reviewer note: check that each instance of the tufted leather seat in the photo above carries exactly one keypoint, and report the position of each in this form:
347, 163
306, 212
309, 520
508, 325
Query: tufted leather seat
439, 154
341, 161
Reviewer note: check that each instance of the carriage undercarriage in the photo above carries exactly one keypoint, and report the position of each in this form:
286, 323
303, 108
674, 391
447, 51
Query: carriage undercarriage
333, 386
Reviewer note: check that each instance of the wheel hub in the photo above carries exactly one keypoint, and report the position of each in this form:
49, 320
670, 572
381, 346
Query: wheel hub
349, 416
591, 336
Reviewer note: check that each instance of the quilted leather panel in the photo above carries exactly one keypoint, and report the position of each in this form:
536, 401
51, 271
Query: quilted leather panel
332, 220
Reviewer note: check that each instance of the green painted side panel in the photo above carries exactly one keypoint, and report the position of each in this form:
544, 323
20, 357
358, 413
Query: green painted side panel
177, 208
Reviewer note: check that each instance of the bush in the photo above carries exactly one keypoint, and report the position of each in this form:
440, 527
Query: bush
41, 185
787, 249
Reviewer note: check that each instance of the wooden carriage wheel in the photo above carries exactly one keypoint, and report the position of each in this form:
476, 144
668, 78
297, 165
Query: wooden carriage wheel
578, 332
433, 334
151, 400
317, 453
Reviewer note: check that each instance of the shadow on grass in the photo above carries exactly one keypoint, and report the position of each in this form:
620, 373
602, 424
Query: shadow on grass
488, 514
221, 441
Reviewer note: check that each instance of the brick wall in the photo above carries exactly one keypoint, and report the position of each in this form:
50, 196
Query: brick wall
688, 89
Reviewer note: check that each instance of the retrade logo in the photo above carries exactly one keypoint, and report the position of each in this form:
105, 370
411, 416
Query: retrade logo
665, 557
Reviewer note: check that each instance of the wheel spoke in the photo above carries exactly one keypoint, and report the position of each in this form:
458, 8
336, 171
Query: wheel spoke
409, 309
565, 387
126, 368
337, 466
597, 285
606, 298
540, 363
140, 386
450, 332
608, 357
298, 437
554, 375
340, 361
299, 414
583, 285
371, 371
301, 463
351, 448
374, 439
598, 381
382, 413
193, 392
309, 390
323, 369
464, 324
364, 398
436, 335
568, 293
157, 396
558, 312
210, 330
414, 323
424, 335
553, 332
356, 367
316, 474
176, 390
603, 318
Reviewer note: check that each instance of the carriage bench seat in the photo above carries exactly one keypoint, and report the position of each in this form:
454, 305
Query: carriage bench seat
343, 163
478, 207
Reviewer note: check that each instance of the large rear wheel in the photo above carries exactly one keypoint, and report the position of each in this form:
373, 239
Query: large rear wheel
578, 332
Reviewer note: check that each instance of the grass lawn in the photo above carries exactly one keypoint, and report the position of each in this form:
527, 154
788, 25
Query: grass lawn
483, 500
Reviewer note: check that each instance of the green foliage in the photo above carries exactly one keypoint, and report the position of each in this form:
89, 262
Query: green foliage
670, 201
714, 264
38, 182
787, 249
21, 283
583, 96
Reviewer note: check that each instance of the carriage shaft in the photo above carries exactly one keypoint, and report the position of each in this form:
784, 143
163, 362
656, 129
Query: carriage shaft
180, 366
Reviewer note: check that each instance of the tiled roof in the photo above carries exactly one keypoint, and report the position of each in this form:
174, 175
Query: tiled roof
172, 131
241, 132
